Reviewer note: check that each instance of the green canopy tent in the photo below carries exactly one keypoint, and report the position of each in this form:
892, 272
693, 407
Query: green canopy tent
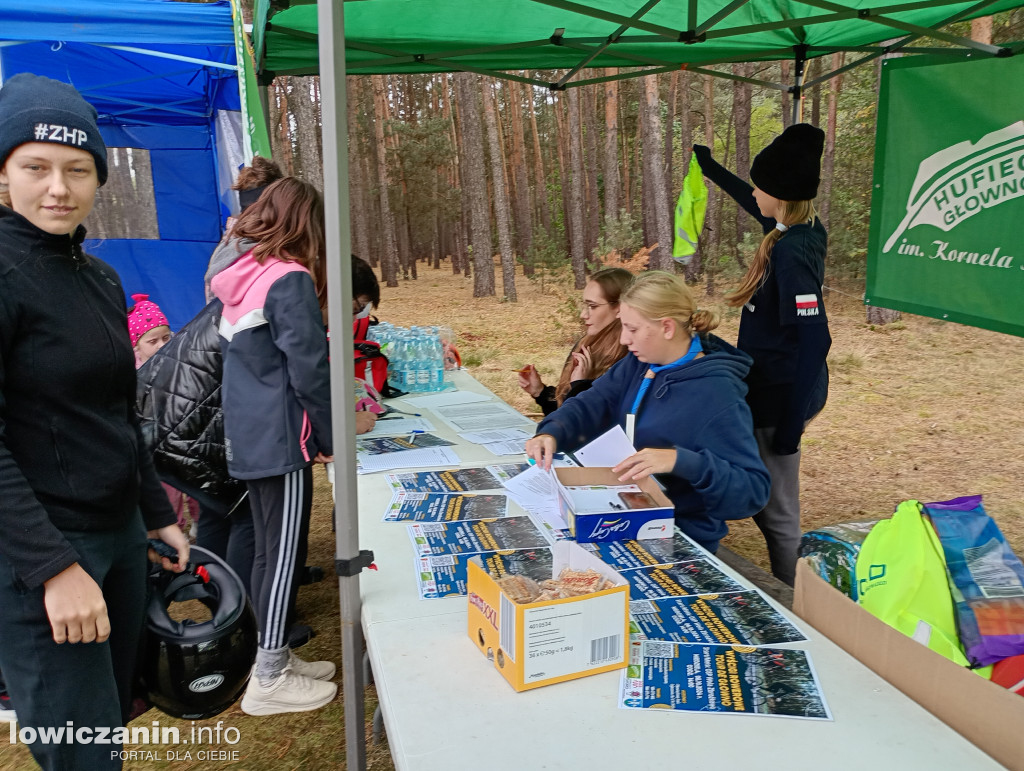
504, 38
417, 36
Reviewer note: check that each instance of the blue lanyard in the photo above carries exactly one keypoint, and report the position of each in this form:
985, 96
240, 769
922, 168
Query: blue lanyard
645, 383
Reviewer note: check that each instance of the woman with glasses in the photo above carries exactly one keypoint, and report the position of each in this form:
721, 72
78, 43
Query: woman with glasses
597, 350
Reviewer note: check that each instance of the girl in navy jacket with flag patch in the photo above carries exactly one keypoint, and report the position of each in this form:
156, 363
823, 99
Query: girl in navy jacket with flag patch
680, 395
277, 419
783, 324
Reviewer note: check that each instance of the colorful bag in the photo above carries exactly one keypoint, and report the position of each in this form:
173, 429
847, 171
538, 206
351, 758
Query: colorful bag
832, 552
985, 577
901, 579
370, 364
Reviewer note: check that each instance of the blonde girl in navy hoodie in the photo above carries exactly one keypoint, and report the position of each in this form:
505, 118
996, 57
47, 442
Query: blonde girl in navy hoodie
679, 394
277, 419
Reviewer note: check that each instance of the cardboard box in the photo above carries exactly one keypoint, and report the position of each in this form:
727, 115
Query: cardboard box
541, 643
613, 524
986, 714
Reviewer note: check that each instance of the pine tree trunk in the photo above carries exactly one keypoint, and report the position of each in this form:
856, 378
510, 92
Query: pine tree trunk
670, 132
741, 119
540, 186
654, 173
592, 215
474, 184
522, 207
577, 242
389, 269
280, 139
508, 263
357, 179
709, 242
813, 70
786, 68
612, 185
829, 156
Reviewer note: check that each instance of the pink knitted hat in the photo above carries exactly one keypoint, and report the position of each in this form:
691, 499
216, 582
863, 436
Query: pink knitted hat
143, 317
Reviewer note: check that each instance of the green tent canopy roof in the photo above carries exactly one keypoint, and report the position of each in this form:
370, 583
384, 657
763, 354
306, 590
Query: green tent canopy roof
411, 36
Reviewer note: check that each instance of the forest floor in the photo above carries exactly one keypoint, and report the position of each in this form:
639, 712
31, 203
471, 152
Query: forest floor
920, 408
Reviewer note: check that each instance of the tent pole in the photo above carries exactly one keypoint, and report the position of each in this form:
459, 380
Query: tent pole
349, 561
800, 57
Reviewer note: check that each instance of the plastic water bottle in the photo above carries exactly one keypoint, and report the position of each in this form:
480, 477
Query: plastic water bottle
422, 346
407, 362
436, 358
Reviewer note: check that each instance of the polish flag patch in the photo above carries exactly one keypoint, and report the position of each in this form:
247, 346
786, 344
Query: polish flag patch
806, 305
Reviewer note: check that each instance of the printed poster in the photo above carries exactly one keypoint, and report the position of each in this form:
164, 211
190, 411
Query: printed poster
682, 578
744, 618
453, 481
417, 441
475, 536
444, 575
626, 555
730, 679
445, 507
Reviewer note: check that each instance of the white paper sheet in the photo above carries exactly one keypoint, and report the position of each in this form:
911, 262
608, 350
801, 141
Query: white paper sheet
609, 449
425, 458
509, 447
433, 401
399, 426
535, 490
498, 435
481, 416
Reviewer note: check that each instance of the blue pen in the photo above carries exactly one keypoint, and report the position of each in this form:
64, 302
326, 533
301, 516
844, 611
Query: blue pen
413, 434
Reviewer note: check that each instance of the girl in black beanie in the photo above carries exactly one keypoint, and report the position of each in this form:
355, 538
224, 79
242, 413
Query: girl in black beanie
78, 493
783, 324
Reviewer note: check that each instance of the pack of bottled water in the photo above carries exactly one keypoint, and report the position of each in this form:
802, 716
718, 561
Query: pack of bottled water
415, 356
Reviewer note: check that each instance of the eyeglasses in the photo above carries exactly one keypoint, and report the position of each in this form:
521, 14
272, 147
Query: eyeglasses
588, 307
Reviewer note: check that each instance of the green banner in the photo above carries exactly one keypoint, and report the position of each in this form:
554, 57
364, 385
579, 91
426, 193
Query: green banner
947, 211
257, 141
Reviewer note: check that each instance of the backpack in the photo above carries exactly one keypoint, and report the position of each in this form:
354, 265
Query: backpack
371, 365
901, 579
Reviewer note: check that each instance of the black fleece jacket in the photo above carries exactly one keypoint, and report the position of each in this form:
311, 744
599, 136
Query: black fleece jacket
788, 381
71, 454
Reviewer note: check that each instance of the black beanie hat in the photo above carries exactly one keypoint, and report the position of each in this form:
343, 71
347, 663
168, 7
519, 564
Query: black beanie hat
790, 167
38, 109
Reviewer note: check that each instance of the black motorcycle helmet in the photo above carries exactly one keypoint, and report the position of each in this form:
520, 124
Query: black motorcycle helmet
197, 669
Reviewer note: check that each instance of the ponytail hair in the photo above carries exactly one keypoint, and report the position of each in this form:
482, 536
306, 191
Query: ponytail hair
793, 213
659, 295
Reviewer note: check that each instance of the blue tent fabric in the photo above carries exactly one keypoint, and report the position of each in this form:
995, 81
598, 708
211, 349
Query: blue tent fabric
166, 106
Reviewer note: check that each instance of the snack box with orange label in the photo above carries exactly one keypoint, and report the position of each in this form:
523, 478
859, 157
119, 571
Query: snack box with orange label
576, 626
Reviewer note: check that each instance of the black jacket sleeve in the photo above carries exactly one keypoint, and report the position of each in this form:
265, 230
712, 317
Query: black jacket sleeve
546, 400
813, 343
36, 549
741, 192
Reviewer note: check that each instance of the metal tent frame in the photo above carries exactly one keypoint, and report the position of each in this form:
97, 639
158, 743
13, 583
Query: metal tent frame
677, 47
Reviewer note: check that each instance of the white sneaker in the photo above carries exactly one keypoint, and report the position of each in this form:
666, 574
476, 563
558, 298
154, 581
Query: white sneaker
290, 692
315, 670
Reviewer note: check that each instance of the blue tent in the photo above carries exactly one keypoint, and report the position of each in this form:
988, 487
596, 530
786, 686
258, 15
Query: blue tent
163, 77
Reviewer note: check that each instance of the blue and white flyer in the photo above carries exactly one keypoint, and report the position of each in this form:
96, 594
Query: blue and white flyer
453, 481
679, 579
744, 618
444, 575
626, 555
729, 679
475, 536
444, 507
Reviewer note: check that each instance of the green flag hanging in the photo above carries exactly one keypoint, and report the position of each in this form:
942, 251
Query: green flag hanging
254, 135
690, 210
